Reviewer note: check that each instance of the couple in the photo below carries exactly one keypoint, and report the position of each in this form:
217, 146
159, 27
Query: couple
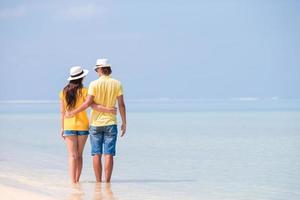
101, 96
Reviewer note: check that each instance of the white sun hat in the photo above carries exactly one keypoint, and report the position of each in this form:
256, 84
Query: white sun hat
102, 62
77, 72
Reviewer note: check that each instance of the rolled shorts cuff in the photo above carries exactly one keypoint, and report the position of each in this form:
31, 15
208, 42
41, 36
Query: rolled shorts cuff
75, 133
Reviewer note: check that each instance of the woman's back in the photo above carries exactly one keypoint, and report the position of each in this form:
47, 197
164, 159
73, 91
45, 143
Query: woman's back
80, 120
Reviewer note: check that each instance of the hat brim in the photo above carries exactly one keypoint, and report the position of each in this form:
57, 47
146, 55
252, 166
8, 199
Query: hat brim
85, 72
99, 66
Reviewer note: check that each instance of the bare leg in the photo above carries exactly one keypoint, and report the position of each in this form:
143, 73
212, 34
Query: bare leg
109, 164
73, 156
97, 167
81, 143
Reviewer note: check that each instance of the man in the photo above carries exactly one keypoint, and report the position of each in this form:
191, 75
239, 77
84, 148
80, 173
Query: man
103, 126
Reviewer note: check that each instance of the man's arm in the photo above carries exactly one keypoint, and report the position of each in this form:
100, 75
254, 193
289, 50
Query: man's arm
122, 110
89, 100
101, 108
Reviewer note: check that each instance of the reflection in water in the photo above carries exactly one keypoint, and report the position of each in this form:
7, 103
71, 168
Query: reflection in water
103, 191
77, 192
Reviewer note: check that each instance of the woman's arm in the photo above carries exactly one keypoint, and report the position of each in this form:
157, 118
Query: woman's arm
62, 116
101, 108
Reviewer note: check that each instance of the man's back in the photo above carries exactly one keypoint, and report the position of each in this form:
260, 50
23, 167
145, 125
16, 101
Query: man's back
105, 91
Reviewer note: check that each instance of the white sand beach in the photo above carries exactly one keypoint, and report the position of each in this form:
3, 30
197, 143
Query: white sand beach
12, 193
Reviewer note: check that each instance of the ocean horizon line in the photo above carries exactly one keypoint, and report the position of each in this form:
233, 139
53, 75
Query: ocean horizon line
156, 100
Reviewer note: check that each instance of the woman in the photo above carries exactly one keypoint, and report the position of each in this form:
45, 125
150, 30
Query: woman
75, 129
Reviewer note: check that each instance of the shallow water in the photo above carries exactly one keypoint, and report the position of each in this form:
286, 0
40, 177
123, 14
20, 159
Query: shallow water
165, 155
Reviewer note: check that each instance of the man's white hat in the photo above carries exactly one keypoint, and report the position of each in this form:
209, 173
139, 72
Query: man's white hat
102, 62
77, 72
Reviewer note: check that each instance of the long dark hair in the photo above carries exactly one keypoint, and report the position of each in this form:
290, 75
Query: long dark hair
72, 91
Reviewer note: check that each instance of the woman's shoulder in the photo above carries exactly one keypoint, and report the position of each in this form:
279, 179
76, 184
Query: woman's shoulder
84, 90
61, 94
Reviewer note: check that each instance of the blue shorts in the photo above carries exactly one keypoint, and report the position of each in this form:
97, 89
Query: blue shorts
103, 139
76, 133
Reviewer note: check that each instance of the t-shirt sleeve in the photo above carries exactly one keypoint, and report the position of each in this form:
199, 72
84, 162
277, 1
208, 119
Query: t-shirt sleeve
91, 90
84, 93
120, 90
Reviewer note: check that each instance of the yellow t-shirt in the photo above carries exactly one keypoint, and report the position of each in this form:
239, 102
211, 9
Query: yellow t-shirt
105, 91
80, 121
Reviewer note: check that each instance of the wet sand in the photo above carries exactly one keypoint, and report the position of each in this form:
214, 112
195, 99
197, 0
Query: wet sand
11, 193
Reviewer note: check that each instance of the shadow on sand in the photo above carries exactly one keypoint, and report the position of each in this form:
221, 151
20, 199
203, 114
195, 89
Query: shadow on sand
154, 180
148, 181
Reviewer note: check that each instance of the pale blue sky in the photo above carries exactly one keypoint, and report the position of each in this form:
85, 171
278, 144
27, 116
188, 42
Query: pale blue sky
176, 49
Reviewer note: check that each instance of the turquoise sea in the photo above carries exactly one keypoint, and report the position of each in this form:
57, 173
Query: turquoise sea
201, 149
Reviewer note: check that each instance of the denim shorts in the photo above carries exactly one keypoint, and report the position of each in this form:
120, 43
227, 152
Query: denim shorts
74, 132
103, 139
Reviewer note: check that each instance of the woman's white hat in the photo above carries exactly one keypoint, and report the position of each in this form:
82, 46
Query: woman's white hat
102, 62
77, 72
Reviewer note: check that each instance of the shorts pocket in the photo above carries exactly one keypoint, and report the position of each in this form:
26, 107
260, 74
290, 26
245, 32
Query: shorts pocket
93, 130
111, 130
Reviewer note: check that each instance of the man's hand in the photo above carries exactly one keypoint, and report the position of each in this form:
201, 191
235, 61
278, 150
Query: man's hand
69, 114
123, 129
